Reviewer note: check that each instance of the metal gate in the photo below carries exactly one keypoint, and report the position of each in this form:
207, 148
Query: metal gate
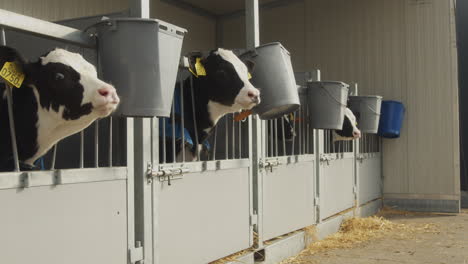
288, 171
369, 162
75, 214
337, 184
202, 209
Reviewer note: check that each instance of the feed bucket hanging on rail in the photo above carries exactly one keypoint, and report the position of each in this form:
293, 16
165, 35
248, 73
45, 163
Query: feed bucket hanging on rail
274, 76
367, 111
391, 119
140, 57
327, 104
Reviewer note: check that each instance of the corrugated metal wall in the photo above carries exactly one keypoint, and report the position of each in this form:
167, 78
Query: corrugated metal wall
201, 34
401, 49
54, 10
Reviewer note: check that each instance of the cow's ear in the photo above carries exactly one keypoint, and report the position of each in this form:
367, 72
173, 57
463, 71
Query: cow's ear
250, 65
8, 54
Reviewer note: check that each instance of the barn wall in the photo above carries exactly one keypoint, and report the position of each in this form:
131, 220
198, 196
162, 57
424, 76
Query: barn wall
53, 10
401, 49
201, 30
201, 34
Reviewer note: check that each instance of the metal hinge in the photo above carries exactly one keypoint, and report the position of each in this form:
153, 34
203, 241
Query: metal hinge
166, 174
136, 253
316, 201
253, 219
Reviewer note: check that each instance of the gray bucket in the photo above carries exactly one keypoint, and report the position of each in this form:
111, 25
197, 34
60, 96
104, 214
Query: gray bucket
327, 104
140, 57
274, 75
367, 111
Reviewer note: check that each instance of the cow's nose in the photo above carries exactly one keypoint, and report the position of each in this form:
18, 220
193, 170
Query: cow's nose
109, 93
357, 134
254, 96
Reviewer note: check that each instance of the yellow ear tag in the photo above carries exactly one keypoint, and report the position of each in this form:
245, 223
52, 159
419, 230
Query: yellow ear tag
200, 70
12, 74
249, 75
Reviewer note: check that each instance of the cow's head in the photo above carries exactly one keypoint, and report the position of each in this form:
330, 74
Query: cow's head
68, 93
66, 84
349, 130
227, 81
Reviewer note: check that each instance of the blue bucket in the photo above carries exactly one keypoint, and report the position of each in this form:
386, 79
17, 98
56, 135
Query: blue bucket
391, 119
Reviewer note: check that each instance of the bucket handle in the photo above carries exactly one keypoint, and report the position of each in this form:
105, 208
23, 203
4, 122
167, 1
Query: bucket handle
372, 109
329, 94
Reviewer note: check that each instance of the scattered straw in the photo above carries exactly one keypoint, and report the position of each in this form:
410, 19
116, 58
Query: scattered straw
388, 211
355, 231
233, 258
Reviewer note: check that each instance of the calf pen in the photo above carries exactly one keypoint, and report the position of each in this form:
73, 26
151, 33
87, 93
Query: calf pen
113, 187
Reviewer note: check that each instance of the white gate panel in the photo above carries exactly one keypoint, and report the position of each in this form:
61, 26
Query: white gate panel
336, 185
71, 223
369, 178
203, 216
288, 198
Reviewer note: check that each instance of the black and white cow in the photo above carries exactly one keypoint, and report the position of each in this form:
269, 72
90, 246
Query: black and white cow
60, 96
350, 130
224, 89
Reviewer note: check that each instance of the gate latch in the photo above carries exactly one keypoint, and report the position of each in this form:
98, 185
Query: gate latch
166, 174
270, 164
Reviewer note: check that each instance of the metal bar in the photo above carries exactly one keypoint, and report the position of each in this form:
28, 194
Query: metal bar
173, 133
12, 126
82, 149
140, 8
164, 139
226, 135
307, 131
276, 136
300, 132
110, 141
233, 138
240, 140
45, 29
54, 156
96, 144
271, 135
252, 24
294, 135
214, 144
182, 116
197, 149
11, 119
284, 136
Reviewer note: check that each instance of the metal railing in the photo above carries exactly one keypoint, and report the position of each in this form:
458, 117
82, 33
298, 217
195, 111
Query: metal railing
331, 146
369, 143
178, 137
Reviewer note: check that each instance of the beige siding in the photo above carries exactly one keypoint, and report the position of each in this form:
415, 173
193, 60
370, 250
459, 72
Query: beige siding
53, 10
201, 34
202, 30
400, 49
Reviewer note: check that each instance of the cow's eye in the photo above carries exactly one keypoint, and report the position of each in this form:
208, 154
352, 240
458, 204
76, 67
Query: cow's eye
59, 76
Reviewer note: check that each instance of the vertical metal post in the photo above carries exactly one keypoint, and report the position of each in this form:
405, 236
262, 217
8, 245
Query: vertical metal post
10, 110
319, 150
357, 153
256, 140
143, 159
143, 187
140, 8
54, 157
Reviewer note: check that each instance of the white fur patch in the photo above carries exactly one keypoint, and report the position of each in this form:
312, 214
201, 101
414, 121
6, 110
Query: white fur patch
218, 110
352, 118
242, 98
88, 73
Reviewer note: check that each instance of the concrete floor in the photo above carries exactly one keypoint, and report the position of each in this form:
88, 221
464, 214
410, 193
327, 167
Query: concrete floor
449, 246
